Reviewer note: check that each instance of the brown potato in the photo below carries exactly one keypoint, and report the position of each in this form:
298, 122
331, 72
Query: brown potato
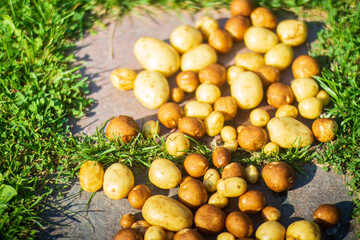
192, 126
263, 17
233, 169
241, 7
252, 138
227, 106
196, 165
138, 195
239, 224
268, 74
278, 176
91, 176
123, 128
177, 95
327, 215
270, 213
150, 128
192, 193
221, 41
237, 27
324, 129
128, 234
127, 220
209, 219
310, 108
250, 61
123, 79
305, 66
169, 114
188, 234
287, 111
279, 94
187, 81
221, 157
214, 73
252, 202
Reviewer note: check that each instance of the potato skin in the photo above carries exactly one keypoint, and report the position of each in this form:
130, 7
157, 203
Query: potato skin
164, 174
154, 232
303, 230
192, 126
127, 220
252, 202
198, 109
327, 215
206, 25
305, 66
287, 111
177, 144
237, 27
279, 94
252, 138
239, 224
185, 37
187, 81
231, 187
91, 176
169, 114
250, 61
263, 17
268, 75
123, 79
292, 32
209, 219
279, 56
259, 39
196, 165
310, 108
128, 234
221, 41
270, 213
210, 179
177, 95
270, 230
124, 127
138, 195
198, 58
221, 157
304, 88
324, 129
192, 193
118, 181
214, 74
241, 7
188, 234
233, 169
278, 176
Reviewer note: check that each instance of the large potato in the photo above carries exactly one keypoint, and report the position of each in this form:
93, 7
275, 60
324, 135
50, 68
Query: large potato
185, 37
164, 174
192, 126
303, 230
292, 32
259, 39
252, 138
151, 89
118, 181
198, 58
279, 56
214, 123
167, 213
156, 55
288, 132
304, 88
91, 176
247, 90
227, 106
231, 187
239, 224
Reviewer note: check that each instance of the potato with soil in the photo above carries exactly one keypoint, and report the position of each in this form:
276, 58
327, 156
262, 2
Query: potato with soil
287, 111
279, 94
270, 213
263, 17
239, 224
138, 195
188, 81
169, 114
196, 165
279, 56
154, 232
177, 95
310, 108
250, 61
192, 193
127, 220
198, 109
164, 174
206, 25
214, 73
251, 174
210, 180
237, 27
209, 219
303, 230
252, 202
270, 230
268, 74
150, 128
192, 126
123, 128
123, 79
185, 38
304, 88
221, 157
241, 7
221, 41
292, 32
259, 117
208, 93
218, 200
305, 66
118, 181
177, 144
327, 215
91, 176
128, 234
278, 176
252, 138
198, 58
214, 123
227, 106
233, 169
259, 39
231, 187
324, 129
188, 234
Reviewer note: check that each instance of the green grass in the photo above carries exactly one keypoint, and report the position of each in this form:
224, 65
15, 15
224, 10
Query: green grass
41, 89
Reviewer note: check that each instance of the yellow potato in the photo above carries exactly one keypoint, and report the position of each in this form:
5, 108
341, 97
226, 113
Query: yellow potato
271, 148
324, 97
251, 174
279, 56
164, 174
123, 79
310, 108
231, 187
324, 129
198, 58
91, 176
270, 230
233, 72
292, 32
228, 133
259, 39
214, 123
231, 145
118, 181
259, 117
287, 111
210, 179
304, 88
151, 89
225, 236
197, 109
177, 144
206, 25
250, 61
156, 55
218, 200
150, 128
208, 93
185, 38
303, 230
154, 232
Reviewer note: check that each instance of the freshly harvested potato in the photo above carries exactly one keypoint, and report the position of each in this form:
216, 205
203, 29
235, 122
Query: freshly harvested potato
209, 219
233, 169
91, 176
118, 181
206, 25
271, 148
279, 56
210, 179
270, 213
123, 128
324, 97
221, 157
270, 230
128, 234
198, 58
156, 55
263, 17
252, 202
237, 27
259, 117
251, 174
310, 108
177, 144
268, 74
288, 132
123, 79
239, 224
327, 215
214, 123
247, 90
232, 73
221, 40
227, 106
218, 200
303, 230
225, 236
185, 38
177, 95
192, 193
208, 93
169, 235
231, 187
164, 174
150, 128
167, 213
292, 32
198, 109
231, 145
241, 7
252, 138
214, 73
304, 88
141, 226
188, 234
169, 114
196, 165
287, 111
259, 39
187, 81
324, 129
138, 195
228, 133
305, 66
151, 89
279, 94
155, 232
278, 176
192, 126
127, 220
250, 61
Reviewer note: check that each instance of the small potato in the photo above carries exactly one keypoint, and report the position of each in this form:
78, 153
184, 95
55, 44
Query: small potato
279, 94
225, 236
237, 27
251, 174
210, 179
177, 95
198, 58
310, 108
208, 93
196, 165
188, 234
227, 106
192, 126
209, 219
169, 114
305, 66
206, 25
228, 133
304, 88
185, 38
287, 111
123, 79
164, 174
214, 74
252, 138
141, 226
187, 81
278, 176
327, 215
214, 123
221, 40
292, 32
150, 128
271, 148
128, 234
270, 213
259, 117
270, 230
192, 193
221, 157
268, 74
123, 128
127, 220
252, 202
154, 232
239, 224
232, 73
91, 176
231, 187
198, 109
324, 97
303, 230
241, 7
231, 145
279, 56
250, 61
138, 195
218, 200
118, 181
263, 17
324, 129
233, 169
177, 144
259, 39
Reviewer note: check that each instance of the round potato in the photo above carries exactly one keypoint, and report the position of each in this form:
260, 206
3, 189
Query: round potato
271, 148
118, 181
188, 234
279, 94
214, 74
177, 144
259, 39
208, 93
241, 7
270, 230
324, 97
128, 234
252, 138
218, 200
232, 73
156, 55
304, 88
270, 213
251, 174
287, 111
164, 174
324, 129
278, 176
259, 117
228, 133
250, 61
198, 58
239, 224
206, 25
279, 56
123, 128
209, 219
327, 215
221, 40
221, 157
91, 176
214, 123
237, 27
185, 38
292, 32
198, 109
303, 229
268, 74
227, 106
231, 145
123, 79
196, 165
192, 193
192, 126
150, 128
263, 17
305, 66
210, 179
127, 220
177, 95
187, 81
154, 232
169, 114
225, 236
310, 108
252, 202
231, 187
233, 169
138, 195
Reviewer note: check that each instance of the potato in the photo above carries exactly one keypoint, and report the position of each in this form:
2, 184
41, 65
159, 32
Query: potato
303, 229
268, 74
270, 230
206, 25
252, 138
237, 27
150, 128
279, 94
177, 144
218, 200
310, 108
118, 181
241, 7
127, 220
91, 176
228, 133
167, 213
271, 148
259, 117
287, 111
250, 61
164, 174
151, 89
324, 97
210, 179
156, 55
141, 226
188, 234
292, 32
214, 74
138, 195
192, 193
305, 66
187, 81
185, 38
239, 224
221, 157
259, 39
177, 95
221, 40
225, 236
247, 90
232, 73
123, 79
154, 232
231, 145
278, 176
327, 215
233, 169
214, 123
169, 235
227, 106
324, 129
169, 114
288, 132
128, 234
196, 165
122, 128
192, 126
263, 17
209, 219
270, 213
304, 88
231, 187
279, 56
197, 109
252, 202
251, 174
198, 58
208, 93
